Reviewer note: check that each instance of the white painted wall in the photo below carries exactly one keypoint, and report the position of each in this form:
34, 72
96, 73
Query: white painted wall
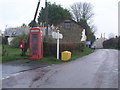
84, 37
99, 43
10, 39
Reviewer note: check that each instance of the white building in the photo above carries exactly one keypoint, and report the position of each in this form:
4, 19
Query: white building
99, 43
10, 33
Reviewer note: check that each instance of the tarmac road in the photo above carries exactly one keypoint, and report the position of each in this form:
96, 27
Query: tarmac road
97, 70
13, 67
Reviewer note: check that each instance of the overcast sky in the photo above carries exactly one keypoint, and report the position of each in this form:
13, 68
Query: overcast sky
14, 13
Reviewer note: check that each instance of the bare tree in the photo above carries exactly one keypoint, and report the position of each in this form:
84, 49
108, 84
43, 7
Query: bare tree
93, 29
82, 11
111, 35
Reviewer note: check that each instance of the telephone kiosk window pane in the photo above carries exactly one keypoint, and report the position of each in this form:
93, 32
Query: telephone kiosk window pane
34, 41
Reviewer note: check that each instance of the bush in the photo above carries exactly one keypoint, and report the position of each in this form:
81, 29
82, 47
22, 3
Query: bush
0, 39
50, 49
73, 47
111, 43
4, 40
16, 41
119, 43
4, 51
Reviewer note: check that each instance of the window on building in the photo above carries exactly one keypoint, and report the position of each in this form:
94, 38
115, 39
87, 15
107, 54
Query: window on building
67, 25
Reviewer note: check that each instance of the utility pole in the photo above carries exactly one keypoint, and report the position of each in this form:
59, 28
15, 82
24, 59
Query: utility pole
36, 13
46, 20
27, 44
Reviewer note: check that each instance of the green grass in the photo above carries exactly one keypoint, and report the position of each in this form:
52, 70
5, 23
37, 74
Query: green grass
81, 54
53, 60
14, 54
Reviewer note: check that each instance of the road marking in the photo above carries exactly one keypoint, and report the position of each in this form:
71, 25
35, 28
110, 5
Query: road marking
12, 75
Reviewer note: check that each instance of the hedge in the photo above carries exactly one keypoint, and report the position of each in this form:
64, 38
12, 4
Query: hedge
50, 49
112, 43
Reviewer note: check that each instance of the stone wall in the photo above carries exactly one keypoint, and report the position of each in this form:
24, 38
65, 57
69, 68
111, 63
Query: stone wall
73, 34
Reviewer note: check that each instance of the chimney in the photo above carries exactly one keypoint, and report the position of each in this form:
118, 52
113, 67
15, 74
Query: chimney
104, 35
101, 35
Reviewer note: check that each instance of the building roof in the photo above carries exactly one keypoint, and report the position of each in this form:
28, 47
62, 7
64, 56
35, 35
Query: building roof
70, 20
15, 31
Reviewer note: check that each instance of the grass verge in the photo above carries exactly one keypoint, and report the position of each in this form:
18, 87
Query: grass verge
14, 54
53, 60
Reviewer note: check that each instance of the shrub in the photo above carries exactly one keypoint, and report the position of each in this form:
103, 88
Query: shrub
111, 43
119, 43
4, 40
50, 49
0, 39
4, 51
73, 47
16, 41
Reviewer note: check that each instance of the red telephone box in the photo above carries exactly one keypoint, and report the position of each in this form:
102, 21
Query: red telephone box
36, 43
